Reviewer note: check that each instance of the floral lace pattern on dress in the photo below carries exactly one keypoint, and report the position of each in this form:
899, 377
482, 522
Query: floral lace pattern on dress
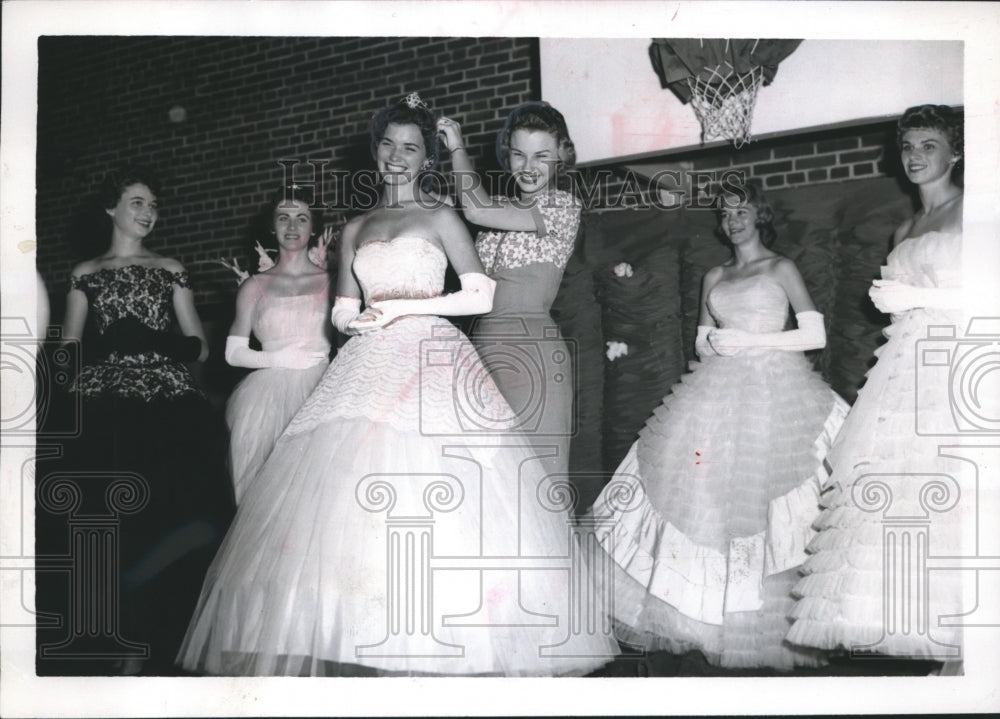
558, 212
145, 294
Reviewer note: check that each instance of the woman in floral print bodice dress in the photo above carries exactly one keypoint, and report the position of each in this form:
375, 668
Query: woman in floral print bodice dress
524, 246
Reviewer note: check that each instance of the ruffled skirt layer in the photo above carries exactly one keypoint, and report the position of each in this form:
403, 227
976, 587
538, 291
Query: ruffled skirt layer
895, 500
708, 516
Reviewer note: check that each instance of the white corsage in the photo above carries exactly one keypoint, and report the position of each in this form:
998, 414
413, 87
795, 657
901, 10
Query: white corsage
241, 274
616, 350
264, 262
623, 269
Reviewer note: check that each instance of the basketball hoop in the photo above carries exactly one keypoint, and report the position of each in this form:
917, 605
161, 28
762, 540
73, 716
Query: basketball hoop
724, 104
720, 78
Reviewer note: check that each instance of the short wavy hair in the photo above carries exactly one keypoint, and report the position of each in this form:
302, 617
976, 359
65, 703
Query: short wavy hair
264, 222
946, 120
752, 194
403, 112
543, 117
117, 181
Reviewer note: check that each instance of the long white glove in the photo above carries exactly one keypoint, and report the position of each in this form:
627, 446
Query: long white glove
892, 296
239, 354
810, 335
701, 344
475, 298
345, 310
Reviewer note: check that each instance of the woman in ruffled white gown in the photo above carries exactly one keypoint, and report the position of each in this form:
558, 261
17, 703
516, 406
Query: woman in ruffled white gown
708, 515
884, 447
302, 584
285, 307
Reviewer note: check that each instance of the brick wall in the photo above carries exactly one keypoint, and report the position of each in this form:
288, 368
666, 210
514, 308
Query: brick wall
830, 156
249, 102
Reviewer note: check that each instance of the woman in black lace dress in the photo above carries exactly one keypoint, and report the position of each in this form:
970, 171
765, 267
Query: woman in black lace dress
151, 450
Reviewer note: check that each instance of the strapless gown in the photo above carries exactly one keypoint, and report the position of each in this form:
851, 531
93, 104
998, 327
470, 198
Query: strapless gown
385, 464
264, 402
708, 516
888, 477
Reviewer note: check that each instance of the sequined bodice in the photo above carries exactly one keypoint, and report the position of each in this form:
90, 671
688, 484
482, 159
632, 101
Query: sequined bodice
933, 259
400, 268
755, 304
280, 322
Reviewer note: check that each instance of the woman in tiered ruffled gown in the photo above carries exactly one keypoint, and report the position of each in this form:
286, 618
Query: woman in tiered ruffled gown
286, 307
707, 517
886, 453
151, 451
307, 580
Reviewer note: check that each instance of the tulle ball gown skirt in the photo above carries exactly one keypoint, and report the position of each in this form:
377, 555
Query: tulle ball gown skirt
391, 528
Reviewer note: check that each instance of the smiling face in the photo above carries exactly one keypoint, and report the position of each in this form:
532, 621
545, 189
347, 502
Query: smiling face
739, 222
292, 224
534, 155
136, 213
400, 155
927, 155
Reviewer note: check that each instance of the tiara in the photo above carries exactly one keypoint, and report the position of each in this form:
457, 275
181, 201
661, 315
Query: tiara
414, 101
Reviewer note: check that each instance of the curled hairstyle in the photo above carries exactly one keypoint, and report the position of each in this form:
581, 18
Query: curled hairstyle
752, 194
540, 116
408, 111
942, 118
265, 222
117, 181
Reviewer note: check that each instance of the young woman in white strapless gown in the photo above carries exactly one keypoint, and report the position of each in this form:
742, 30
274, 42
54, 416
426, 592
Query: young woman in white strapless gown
286, 308
886, 454
708, 516
305, 583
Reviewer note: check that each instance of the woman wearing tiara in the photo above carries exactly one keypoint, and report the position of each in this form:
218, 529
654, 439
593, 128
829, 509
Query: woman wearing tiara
286, 308
306, 581
524, 246
708, 515
151, 450
883, 450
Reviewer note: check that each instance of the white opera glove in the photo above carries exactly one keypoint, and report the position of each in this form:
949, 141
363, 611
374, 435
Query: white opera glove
345, 310
810, 335
701, 344
892, 296
239, 354
475, 298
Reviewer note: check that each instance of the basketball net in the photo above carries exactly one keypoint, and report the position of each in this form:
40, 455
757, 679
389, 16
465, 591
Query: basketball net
724, 104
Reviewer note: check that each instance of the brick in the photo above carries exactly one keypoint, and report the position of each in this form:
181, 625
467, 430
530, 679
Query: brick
860, 155
817, 175
806, 163
794, 150
839, 173
774, 181
843, 143
768, 168
794, 178
865, 168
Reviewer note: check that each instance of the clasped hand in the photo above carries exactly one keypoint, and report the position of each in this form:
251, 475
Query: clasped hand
729, 341
297, 357
379, 314
892, 296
